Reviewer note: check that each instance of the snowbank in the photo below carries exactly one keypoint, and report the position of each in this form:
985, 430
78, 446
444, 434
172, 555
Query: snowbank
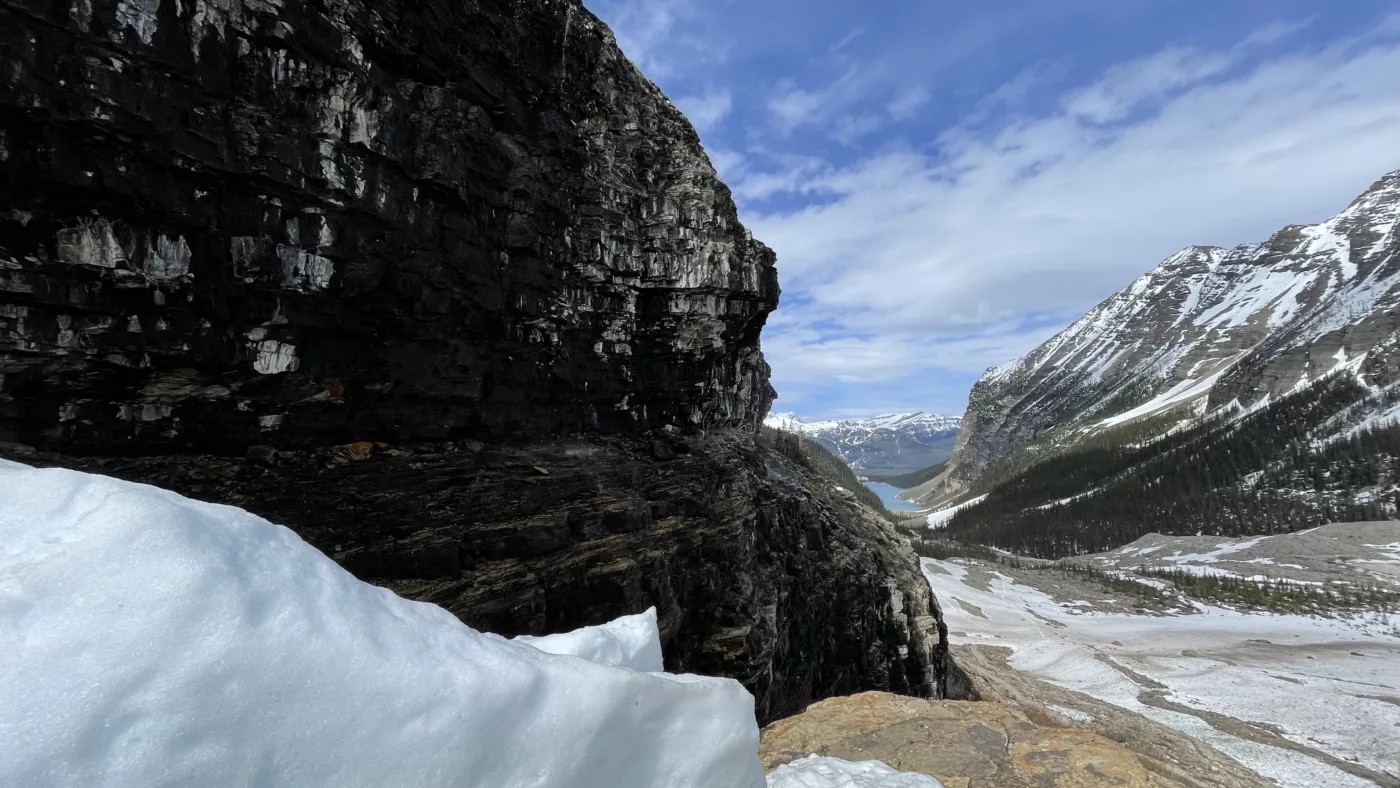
153, 640
629, 642
818, 772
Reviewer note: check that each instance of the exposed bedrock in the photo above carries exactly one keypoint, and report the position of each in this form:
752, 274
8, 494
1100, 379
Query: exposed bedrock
759, 569
451, 289
341, 221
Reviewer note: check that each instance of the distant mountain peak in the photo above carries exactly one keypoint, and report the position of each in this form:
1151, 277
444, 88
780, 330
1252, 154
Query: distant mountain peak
889, 443
1207, 327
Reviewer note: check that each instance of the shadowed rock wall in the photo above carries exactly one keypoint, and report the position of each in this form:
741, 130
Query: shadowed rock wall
448, 288
226, 223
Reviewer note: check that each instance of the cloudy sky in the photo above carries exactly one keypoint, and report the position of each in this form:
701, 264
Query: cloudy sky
948, 184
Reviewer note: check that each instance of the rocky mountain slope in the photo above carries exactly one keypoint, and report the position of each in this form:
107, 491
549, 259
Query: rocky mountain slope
888, 444
449, 288
1206, 331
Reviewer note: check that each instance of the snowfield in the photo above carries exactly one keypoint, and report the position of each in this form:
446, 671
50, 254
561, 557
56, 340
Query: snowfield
941, 517
1330, 686
148, 639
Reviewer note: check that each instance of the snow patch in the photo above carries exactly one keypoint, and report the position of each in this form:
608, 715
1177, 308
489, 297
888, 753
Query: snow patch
1182, 392
816, 771
164, 641
941, 517
632, 642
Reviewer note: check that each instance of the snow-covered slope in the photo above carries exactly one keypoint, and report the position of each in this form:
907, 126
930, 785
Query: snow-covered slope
154, 640
148, 639
1208, 327
889, 443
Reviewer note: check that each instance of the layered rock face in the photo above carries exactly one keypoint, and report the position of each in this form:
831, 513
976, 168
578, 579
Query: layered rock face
451, 289
1208, 328
228, 223
759, 569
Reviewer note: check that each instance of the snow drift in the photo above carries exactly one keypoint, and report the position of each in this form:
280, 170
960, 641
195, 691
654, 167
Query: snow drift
818, 772
628, 642
147, 639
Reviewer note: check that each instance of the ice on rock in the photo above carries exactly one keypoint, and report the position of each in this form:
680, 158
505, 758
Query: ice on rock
816, 771
148, 639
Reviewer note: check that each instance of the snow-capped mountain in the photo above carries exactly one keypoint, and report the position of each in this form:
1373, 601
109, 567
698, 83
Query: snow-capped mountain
890, 443
1206, 329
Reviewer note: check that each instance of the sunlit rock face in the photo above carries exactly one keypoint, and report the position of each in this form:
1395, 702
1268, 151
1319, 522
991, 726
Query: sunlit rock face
294, 223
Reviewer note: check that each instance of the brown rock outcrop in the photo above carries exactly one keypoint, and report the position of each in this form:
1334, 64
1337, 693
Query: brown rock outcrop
963, 744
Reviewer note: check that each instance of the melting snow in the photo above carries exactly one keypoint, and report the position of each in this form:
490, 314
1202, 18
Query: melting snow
1285, 670
941, 517
1184, 391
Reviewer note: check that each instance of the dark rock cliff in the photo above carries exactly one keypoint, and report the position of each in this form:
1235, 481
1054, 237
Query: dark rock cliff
451, 289
337, 221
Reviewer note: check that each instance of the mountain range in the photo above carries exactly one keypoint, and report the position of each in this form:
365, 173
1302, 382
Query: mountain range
1210, 345
888, 444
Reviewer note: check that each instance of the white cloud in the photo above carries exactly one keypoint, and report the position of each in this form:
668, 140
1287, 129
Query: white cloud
845, 40
796, 172
810, 356
659, 35
848, 129
795, 107
907, 102
1126, 87
728, 163
941, 256
707, 110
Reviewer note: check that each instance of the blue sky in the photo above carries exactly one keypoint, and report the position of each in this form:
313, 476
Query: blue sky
948, 184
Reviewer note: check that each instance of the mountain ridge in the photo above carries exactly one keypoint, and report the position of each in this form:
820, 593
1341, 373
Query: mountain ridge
1207, 328
888, 443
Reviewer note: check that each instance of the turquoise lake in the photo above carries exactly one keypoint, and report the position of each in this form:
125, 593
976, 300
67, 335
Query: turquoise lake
890, 495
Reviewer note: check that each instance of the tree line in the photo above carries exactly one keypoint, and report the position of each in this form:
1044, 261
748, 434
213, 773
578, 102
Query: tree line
1262, 474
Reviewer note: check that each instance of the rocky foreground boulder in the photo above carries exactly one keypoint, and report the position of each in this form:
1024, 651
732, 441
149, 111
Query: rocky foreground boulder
990, 744
451, 289
964, 744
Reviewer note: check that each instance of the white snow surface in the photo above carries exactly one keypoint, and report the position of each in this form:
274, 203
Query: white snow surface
1328, 684
632, 642
148, 639
1182, 392
816, 771
941, 517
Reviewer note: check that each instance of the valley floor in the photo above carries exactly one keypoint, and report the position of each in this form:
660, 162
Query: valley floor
1304, 701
